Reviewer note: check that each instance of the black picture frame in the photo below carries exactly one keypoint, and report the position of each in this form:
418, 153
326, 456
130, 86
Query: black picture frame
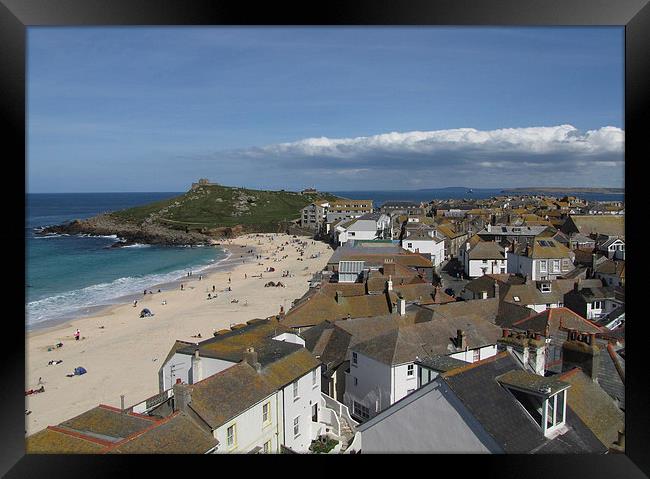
634, 15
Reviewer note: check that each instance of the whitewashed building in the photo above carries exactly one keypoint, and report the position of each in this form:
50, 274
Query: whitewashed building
541, 259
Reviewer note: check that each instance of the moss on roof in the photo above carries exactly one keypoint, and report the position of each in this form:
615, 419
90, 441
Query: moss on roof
51, 441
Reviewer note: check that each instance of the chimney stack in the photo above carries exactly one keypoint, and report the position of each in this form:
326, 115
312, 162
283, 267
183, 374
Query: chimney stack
122, 402
389, 283
580, 350
250, 356
389, 267
339, 297
594, 263
496, 289
182, 397
402, 306
461, 339
197, 367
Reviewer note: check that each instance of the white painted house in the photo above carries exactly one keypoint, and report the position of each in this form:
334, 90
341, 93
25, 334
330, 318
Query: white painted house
541, 259
485, 257
383, 369
614, 248
367, 227
425, 241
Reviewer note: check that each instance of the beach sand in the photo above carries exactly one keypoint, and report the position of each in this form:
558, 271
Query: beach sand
124, 356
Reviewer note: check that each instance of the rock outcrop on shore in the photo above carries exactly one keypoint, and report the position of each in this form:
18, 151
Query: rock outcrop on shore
106, 224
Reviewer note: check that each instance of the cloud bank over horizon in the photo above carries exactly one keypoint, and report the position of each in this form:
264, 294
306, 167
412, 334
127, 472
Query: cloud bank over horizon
531, 156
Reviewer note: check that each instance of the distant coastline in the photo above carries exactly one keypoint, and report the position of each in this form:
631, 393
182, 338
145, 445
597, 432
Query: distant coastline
602, 191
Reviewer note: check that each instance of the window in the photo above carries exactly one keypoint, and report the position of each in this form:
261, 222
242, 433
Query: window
295, 390
314, 413
545, 287
351, 233
503, 270
296, 426
516, 299
354, 358
476, 355
555, 265
484, 261
542, 265
356, 380
409, 370
314, 378
597, 305
360, 410
230, 436
267, 447
266, 413
409, 245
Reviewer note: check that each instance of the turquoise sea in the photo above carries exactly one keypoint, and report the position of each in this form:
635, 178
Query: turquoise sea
65, 275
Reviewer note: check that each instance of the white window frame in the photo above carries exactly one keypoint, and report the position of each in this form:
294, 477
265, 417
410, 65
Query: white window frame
266, 413
295, 391
355, 358
296, 427
542, 265
268, 445
314, 378
555, 265
231, 440
410, 370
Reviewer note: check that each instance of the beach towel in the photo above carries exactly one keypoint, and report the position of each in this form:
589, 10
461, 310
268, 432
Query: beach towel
78, 371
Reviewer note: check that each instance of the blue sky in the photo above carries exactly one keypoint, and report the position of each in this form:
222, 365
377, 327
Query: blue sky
153, 109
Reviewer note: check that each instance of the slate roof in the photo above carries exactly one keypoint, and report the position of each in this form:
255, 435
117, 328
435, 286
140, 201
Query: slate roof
321, 307
556, 319
106, 422
543, 248
611, 372
611, 225
329, 343
484, 309
509, 313
594, 406
231, 345
486, 250
224, 395
505, 419
441, 363
53, 440
177, 434
611, 266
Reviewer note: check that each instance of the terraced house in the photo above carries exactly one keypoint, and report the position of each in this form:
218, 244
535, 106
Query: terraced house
541, 259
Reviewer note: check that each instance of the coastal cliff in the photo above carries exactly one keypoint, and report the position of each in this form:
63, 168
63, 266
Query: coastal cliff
107, 224
205, 213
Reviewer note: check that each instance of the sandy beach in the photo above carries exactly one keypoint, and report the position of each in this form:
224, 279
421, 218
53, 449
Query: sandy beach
123, 352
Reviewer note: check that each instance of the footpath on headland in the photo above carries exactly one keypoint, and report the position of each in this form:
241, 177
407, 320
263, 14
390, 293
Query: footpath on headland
123, 352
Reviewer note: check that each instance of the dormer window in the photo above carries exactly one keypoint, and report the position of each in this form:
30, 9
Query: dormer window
516, 299
543, 398
545, 287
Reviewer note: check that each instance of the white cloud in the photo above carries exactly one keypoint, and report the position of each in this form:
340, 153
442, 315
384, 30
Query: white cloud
534, 140
504, 157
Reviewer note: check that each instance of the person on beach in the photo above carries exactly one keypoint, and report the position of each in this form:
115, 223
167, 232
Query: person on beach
213, 288
164, 302
181, 287
245, 276
135, 303
76, 335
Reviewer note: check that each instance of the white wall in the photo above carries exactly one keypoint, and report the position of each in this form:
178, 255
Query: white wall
401, 382
493, 267
436, 250
468, 356
182, 368
250, 429
290, 338
373, 389
308, 394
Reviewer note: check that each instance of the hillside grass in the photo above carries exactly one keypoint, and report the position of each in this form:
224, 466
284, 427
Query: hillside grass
215, 206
